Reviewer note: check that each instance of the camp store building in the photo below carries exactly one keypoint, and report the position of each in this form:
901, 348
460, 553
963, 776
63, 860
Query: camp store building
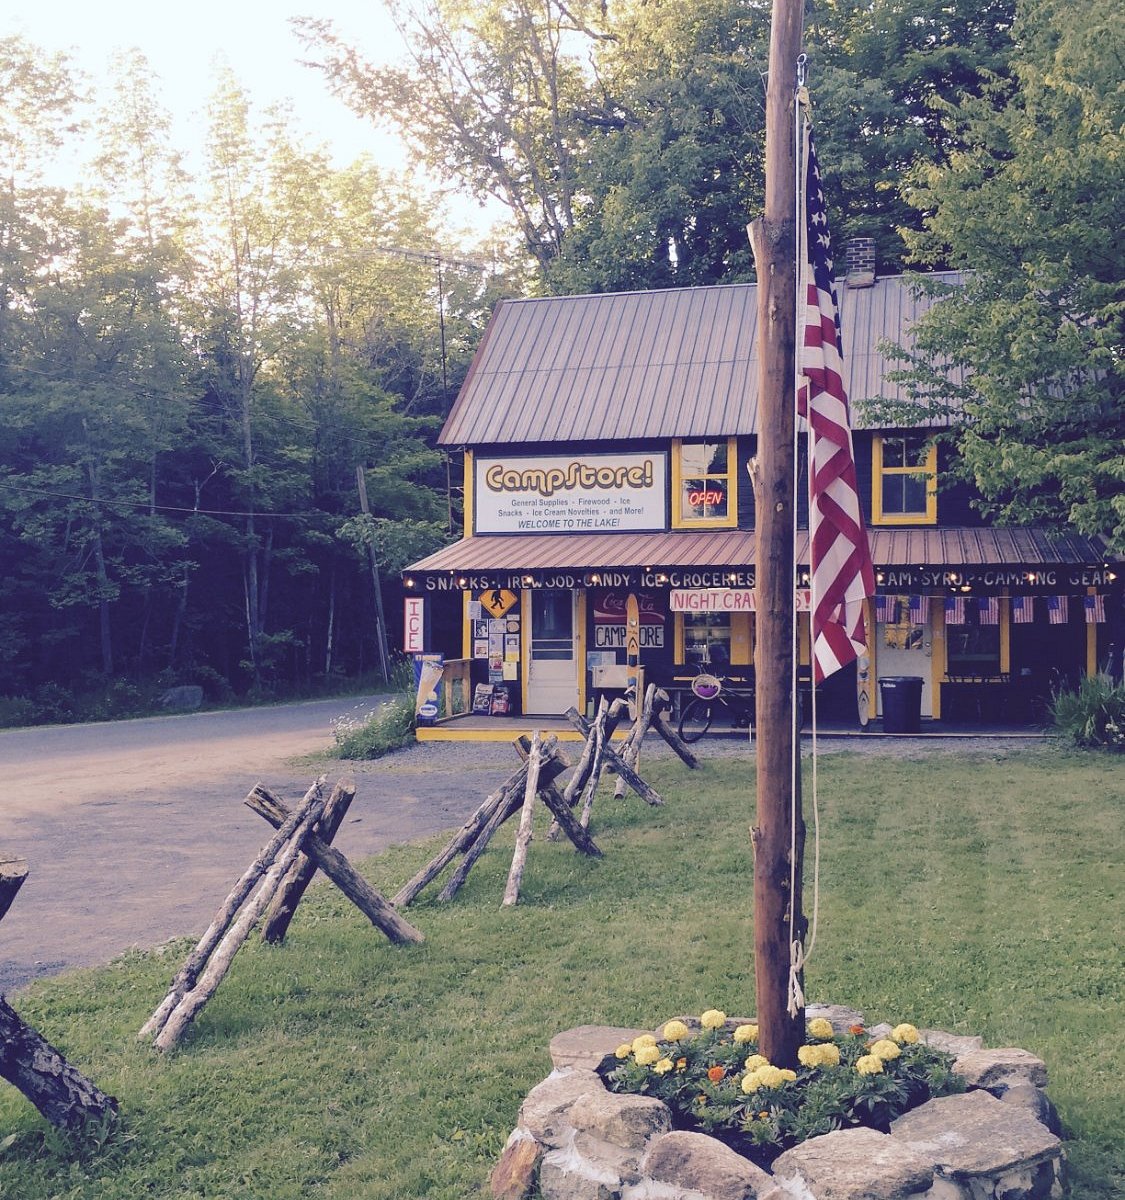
605, 442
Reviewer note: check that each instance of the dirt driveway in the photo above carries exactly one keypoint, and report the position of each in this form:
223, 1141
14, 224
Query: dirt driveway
135, 831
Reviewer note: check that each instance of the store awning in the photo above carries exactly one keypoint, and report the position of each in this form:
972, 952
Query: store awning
718, 558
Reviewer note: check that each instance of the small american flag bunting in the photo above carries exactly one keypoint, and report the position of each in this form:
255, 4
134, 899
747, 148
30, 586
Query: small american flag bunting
1095, 609
919, 610
1023, 609
955, 610
1058, 612
988, 610
886, 609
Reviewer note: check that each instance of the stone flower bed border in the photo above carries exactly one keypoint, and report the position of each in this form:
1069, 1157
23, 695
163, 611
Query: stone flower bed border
579, 1141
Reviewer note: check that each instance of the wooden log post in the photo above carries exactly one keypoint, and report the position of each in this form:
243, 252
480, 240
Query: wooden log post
192, 1002
13, 871
275, 924
461, 840
340, 871
778, 833
527, 815
589, 791
509, 805
187, 975
59, 1091
631, 753
648, 794
664, 727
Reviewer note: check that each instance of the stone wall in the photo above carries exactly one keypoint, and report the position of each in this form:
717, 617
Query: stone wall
576, 1140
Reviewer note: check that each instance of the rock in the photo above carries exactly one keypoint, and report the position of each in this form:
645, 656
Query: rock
190, 696
976, 1135
622, 1119
589, 1046
513, 1177
544, 1113
854, 1164
1032, 1100
951, 1043
1001, 1068
701, 1165
842, 1018
566, 1174
880, 1031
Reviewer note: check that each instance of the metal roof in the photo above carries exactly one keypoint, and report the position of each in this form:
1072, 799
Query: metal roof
661, 364
737, 547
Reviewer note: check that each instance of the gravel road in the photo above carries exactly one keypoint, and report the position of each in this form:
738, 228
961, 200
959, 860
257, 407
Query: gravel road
135, 831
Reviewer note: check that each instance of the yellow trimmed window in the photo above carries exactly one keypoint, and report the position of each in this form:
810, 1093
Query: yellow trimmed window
704, 484
904, 481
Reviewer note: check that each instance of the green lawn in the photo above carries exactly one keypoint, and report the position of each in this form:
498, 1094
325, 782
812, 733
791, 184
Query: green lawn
976, 894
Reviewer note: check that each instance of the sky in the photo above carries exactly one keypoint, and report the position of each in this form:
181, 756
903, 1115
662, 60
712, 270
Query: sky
182, 43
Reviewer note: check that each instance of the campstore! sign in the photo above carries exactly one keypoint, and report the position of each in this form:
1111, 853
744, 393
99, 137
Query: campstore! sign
586, 493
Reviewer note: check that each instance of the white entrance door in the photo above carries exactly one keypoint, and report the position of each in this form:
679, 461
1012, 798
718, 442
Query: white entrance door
904, 648
552, 672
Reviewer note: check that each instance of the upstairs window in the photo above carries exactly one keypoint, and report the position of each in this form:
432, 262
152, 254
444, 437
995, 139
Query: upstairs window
704, 493
904, 481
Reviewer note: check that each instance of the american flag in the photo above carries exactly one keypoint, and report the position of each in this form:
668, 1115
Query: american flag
1057, 610
919, 610
842, 574
1095, 609
886, 609
988, 610
1023, 609
955, 610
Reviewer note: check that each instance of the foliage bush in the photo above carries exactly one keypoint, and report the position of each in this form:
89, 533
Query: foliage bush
716, 1082
1093, 714
375, 732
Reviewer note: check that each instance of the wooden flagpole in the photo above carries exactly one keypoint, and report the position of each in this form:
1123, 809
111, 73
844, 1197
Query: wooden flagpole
772, 238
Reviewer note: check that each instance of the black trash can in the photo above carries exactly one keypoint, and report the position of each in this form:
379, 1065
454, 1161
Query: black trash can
902, 703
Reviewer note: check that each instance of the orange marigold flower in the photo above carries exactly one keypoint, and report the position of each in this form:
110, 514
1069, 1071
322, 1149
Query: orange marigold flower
856, 1029
715, 1074
681, 1063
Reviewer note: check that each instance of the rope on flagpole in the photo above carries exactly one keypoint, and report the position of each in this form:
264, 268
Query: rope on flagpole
799, 953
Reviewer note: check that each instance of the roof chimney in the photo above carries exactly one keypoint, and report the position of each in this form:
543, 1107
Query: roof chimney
861, 262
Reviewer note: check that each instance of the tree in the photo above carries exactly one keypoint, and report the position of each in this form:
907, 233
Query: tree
1030, 209
880, 72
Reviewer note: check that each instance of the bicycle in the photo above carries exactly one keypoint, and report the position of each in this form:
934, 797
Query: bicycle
711, 700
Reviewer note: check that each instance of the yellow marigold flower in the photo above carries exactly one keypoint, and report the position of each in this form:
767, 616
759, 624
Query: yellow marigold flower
746, 1033
829, 1055
885, 1049
663, 1066
763, 1116
766, 1077
674, 1031
624, 1050
809, 1056
820, 1027
713, 1018
869, 1064
646, 1055
755, 1061
905, 1033
645, 1039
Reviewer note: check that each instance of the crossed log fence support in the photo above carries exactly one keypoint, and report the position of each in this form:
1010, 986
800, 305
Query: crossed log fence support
28, 1061
272, 886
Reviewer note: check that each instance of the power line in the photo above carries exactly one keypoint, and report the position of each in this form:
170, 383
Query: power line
145, 506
